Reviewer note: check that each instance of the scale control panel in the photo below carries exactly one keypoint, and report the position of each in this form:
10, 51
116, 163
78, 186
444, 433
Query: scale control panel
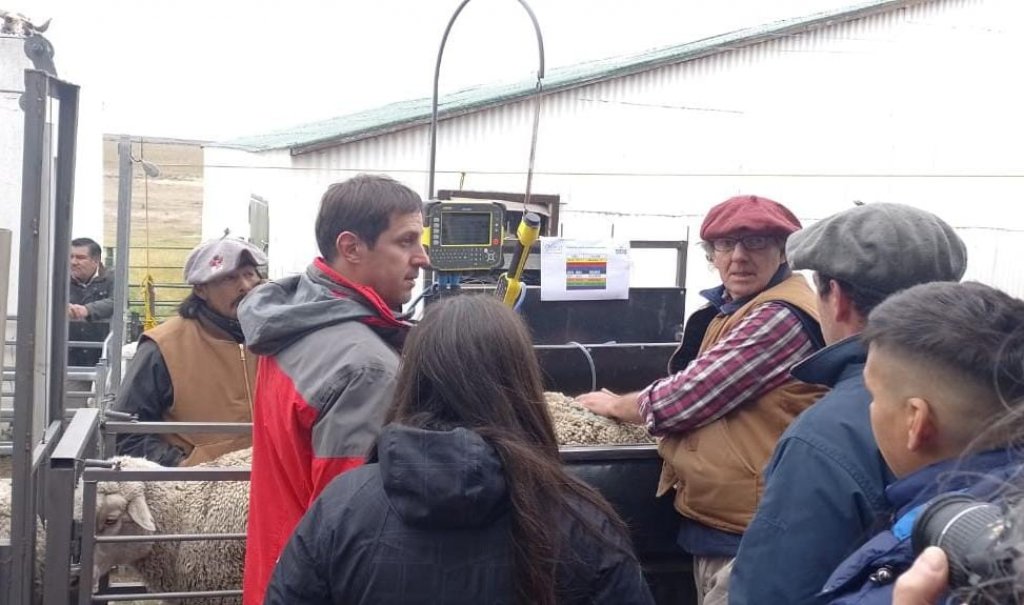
464, 236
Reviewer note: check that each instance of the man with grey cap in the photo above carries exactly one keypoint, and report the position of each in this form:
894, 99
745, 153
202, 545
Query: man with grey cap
825, 484
195, 367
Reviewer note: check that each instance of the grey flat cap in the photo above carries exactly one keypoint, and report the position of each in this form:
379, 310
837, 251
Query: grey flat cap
883, 247
212, 259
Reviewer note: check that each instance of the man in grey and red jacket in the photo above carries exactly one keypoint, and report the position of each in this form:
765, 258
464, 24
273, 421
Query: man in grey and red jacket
330, 344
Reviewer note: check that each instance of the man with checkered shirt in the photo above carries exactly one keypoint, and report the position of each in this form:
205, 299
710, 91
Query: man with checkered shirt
729, 394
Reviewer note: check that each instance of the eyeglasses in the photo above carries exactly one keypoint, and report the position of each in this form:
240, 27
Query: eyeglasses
750, 242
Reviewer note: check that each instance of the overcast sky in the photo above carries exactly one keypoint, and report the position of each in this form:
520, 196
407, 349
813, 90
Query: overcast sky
217, 69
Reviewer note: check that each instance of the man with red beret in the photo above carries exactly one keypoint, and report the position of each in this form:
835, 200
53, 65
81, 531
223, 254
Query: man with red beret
729, 395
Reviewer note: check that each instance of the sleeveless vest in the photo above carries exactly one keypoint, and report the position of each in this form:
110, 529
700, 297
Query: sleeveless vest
213, 381
716, 469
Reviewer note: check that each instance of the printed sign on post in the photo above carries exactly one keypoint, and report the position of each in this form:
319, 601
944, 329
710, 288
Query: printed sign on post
575, 269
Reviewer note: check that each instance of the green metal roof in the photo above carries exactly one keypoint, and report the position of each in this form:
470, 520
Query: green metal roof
315, 136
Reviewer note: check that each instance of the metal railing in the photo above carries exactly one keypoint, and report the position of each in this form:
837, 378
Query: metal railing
72, 463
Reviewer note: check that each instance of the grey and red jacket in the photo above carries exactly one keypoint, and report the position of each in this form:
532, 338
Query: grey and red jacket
329, 352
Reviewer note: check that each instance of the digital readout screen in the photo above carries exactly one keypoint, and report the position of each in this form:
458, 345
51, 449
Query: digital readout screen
466, 229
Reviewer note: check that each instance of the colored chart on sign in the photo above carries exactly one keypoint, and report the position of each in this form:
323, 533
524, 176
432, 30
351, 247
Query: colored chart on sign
586, 272
583, 269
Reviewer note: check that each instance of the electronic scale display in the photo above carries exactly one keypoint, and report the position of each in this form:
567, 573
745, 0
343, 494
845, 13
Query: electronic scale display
466, 229
464, 235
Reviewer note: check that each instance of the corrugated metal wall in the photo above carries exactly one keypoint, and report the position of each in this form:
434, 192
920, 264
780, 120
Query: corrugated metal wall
916, 106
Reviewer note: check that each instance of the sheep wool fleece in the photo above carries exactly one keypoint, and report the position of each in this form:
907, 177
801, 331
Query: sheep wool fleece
330, 356
202, 507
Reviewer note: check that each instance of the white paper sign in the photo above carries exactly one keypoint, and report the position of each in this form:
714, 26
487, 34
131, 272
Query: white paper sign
578, 269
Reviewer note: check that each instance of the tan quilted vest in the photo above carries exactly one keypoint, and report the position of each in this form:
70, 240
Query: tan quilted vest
716, 469
213, 381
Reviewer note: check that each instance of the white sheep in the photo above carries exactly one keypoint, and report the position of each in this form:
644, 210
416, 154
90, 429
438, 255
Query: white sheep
6, 518
5, 508
142, 508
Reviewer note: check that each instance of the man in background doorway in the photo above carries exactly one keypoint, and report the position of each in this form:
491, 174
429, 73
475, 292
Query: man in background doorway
90, 306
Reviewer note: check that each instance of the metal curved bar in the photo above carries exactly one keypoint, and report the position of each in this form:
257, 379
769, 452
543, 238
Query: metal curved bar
437, 76
536, 108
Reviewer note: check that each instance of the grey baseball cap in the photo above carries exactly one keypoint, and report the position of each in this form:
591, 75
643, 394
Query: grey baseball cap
214, 258
882, 247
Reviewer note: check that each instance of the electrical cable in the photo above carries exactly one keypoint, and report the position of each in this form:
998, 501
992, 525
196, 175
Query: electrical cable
590, 362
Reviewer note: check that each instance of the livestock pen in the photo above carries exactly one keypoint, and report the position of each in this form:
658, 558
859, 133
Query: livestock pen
74, 533
74, 471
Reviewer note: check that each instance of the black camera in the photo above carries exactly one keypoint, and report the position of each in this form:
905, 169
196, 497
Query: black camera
973, 534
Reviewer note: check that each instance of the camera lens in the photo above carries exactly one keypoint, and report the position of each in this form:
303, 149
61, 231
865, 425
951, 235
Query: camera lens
968, 531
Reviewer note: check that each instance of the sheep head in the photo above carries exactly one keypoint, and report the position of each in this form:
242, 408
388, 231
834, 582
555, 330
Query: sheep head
121, 510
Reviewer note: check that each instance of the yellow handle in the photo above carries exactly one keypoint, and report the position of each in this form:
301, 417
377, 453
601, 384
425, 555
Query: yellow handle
509, 285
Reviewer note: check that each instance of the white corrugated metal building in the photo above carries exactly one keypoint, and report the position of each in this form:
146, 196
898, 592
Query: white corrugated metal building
910, 101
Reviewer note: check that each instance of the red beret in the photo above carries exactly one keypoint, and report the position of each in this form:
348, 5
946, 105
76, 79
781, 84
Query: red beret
748, 213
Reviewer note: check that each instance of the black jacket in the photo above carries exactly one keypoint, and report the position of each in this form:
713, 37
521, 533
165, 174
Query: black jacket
98, 296
147, 392
430, 523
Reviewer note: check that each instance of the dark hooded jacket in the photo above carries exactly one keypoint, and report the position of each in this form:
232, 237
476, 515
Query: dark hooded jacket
329, 356
430, 523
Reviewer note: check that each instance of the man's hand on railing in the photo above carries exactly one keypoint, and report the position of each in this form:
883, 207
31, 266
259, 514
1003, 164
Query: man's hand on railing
115, 415
78, 312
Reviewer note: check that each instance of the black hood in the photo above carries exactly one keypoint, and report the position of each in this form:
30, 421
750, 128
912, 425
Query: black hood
441, 479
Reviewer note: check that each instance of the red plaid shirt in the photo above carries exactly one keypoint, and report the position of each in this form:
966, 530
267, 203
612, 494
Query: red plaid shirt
751, 360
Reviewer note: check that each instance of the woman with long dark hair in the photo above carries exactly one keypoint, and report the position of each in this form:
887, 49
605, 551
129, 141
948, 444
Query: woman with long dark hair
465, 499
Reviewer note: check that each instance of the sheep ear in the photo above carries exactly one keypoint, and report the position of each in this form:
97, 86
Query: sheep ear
138, 510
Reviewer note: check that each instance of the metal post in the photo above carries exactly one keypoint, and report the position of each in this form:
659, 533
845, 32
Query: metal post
64, 196
23, 521
85, 579
124, 224
60, 496
42, 308
100, 389
76, 443
5, 275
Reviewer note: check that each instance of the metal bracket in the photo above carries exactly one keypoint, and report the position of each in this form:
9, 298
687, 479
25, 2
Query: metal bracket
39, 50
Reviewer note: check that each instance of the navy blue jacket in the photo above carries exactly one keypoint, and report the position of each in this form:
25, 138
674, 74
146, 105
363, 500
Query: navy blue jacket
824, 489
868, 575
430, 523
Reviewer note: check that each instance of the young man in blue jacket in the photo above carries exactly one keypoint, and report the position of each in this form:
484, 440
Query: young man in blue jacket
945, 363
825, 482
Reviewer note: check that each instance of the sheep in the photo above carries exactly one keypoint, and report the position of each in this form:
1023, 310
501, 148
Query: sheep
6, 509
576, 425
6, 518
142, 508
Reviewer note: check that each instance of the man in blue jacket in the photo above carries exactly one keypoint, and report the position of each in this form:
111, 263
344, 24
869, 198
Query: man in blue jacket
825, 482
945, 364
